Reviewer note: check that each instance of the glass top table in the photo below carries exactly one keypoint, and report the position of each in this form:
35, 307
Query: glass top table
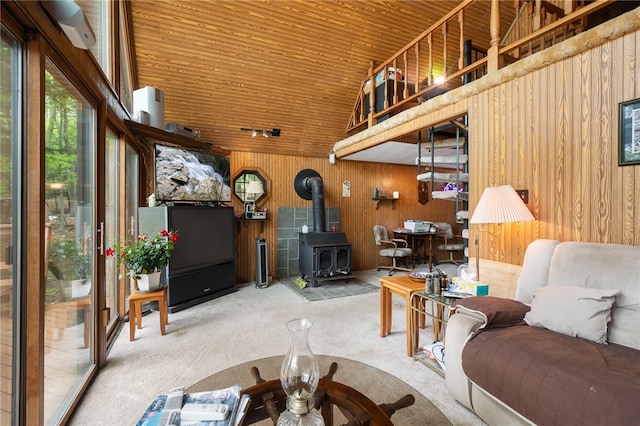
436, 307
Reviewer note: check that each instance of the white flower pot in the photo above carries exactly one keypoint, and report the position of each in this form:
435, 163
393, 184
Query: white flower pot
75, 288
149, 282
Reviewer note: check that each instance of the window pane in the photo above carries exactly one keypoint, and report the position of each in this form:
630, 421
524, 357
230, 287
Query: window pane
126, 77
111, 220
97, 14
10, 141
131, 202
69, 194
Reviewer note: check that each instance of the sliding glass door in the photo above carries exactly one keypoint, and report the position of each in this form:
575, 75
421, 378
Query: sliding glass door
70, 141
10, 189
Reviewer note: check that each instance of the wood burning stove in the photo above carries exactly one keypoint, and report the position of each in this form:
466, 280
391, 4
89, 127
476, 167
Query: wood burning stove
323, 256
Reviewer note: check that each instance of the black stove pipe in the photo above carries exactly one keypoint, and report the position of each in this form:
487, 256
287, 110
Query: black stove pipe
316, 186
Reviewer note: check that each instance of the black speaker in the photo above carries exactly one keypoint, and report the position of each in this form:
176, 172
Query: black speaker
262, 264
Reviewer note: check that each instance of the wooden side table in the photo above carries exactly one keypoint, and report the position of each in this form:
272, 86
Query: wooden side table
404, 287
135, 311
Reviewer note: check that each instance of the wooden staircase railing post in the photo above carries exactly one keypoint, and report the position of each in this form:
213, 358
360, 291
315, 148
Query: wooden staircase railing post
430, 44
416, 49
372, 94
445, 31
494, 62
461, 23
537, 16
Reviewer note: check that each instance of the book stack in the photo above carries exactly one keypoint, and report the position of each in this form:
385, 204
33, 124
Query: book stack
167, 409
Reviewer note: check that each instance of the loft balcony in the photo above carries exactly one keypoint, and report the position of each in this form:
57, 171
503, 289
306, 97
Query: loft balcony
453, 52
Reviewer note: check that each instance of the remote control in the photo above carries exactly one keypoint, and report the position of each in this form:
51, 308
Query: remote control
171, 411
196, 412
456, 294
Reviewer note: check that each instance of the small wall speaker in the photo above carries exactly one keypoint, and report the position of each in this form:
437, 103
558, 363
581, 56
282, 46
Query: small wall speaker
72, 21
150, 100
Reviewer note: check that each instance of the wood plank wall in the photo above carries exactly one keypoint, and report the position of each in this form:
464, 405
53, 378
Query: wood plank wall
555, 132
358, 212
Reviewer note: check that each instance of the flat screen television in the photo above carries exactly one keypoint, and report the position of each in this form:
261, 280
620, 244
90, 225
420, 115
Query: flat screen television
185, 175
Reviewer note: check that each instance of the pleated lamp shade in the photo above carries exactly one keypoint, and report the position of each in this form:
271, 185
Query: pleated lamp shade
500, 204
255, 187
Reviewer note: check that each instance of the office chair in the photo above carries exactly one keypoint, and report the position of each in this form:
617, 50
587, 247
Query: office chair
449, 244
394, 248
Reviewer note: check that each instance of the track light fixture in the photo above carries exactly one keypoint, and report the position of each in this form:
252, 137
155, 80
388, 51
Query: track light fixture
265, 133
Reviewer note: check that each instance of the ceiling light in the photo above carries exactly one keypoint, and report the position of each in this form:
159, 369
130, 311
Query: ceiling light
265, 134
254, 133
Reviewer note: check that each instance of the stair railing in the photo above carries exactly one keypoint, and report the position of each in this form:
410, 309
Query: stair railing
401, 82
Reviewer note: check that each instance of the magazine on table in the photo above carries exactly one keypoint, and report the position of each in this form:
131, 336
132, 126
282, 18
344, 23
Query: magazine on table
164, 412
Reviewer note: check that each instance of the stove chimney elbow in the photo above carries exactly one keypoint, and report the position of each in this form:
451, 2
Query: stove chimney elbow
316, 186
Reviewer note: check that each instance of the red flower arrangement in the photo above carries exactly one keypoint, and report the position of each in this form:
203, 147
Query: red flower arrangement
145, 255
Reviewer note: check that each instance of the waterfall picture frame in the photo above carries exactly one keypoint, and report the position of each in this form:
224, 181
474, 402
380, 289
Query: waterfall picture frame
629, 133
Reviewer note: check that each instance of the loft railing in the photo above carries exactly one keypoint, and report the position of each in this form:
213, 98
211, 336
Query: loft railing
421, 70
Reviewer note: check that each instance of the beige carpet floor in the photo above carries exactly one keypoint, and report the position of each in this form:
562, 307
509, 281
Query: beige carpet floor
248, 325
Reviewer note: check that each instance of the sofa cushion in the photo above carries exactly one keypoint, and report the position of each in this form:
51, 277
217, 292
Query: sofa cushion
551, 378
605, 266
574, 311
535, 268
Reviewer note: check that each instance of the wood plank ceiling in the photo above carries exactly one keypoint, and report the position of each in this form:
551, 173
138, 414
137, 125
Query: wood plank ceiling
289, 64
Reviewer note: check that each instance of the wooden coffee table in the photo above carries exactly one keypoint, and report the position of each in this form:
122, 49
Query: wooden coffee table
377, 385
404, 287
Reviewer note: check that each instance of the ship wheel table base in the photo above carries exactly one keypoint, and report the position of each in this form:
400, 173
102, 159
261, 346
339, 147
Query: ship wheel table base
268, 400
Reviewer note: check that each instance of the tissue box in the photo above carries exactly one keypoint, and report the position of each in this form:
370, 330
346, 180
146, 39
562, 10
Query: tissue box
474, 288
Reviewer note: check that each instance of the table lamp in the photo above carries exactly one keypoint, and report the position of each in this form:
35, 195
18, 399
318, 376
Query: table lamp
498, 204
253, 191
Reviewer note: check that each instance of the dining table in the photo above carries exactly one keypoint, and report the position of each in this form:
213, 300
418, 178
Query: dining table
421, 242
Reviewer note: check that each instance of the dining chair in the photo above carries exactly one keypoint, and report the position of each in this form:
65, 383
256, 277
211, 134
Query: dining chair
394, 248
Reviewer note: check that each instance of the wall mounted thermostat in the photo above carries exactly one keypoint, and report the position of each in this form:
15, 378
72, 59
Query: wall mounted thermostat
346, 188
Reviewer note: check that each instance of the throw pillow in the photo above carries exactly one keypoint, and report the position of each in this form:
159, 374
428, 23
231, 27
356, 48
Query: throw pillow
494, 311
575, 311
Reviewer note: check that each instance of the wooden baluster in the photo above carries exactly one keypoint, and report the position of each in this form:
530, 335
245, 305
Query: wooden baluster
430, 44
372, 94
362, 99
418, 78
461, 23
405, 67
516, 34
530, 25
444, 51
569, 6
516, 10
395, 81
537, 16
